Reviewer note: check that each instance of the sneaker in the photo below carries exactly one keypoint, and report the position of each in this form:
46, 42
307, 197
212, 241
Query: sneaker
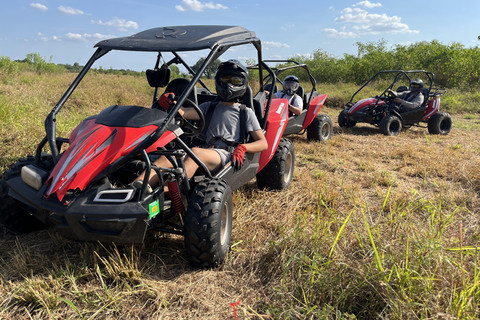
137, 184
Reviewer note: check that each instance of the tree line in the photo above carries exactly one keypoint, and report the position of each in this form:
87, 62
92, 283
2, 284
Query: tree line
453, 64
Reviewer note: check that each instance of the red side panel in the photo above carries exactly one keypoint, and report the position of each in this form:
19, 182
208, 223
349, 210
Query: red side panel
363, 103
276, 122
315, 105
92, 148
432, 107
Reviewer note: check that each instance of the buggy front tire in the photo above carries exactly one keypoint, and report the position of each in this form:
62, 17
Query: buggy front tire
440, 123
391, 125
343, 120
320, 129
278, 172
13, 215
208, 223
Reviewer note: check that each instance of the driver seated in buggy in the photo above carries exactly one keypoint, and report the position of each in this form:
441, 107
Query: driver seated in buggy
409, 99
221, 138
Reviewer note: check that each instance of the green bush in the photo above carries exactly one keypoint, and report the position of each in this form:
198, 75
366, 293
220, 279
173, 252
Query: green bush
7, 66
454, 65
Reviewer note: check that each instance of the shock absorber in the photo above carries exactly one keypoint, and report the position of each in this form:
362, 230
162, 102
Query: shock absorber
175, 196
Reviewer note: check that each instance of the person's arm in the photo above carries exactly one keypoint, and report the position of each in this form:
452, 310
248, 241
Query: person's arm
296, 106
415, 103
260, 143
189, 113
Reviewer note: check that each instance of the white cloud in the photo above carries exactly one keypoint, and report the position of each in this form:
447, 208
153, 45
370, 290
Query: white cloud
358, 22
271, 44
287, 26
70, 10
87, 36
121, 24
196, 5
74, 37
44, 38
339, 34
38, 6
368, 4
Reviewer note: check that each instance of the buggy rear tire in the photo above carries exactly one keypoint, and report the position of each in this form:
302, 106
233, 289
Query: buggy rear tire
440, 123
13, 215
343, 121
320, 129
278, 172
208, 223
391, 125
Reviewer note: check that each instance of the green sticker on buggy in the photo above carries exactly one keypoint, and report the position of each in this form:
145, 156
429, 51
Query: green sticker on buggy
154, 208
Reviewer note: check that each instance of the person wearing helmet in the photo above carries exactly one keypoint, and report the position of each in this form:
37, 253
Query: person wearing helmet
221, 135
290, 87
412, 98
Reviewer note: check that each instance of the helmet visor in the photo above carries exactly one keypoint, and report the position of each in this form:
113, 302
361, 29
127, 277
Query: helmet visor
235, 80
292, 85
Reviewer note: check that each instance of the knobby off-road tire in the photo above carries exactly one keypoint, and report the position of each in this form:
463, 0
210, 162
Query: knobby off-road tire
440, 123
208, 223
278, 172
12, 215
320, 129
343, 120
390, 125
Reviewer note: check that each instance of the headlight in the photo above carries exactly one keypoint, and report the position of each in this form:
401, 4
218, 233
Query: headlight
33, 176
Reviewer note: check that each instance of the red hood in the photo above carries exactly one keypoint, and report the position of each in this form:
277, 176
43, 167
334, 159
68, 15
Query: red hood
363, 103
93, 147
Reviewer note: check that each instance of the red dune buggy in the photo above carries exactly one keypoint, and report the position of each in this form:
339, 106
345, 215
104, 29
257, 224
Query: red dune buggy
319, 127
83, 189
383, 112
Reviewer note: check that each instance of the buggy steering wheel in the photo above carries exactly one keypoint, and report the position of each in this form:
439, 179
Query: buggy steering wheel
191, 128
391, 94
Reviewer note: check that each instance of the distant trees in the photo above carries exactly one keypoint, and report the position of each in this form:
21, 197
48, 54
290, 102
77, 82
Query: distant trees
210, 70
454, 65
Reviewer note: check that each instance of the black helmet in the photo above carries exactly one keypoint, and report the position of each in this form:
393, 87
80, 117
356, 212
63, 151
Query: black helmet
231, 80
416, 85
290, 85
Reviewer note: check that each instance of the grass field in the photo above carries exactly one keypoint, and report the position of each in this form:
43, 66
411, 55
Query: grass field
372, 227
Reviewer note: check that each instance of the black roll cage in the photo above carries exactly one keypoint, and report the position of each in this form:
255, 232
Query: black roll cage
225, 40
399, 74
277, 70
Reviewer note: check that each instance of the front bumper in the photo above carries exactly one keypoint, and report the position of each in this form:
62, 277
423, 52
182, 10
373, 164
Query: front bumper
86, 220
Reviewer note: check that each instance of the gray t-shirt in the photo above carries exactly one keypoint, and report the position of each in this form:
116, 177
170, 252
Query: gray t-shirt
225, 122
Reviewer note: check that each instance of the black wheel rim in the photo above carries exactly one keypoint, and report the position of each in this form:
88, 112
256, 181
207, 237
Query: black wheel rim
225, 222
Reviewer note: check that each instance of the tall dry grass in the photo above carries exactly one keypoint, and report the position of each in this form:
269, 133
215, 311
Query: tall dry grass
372, 227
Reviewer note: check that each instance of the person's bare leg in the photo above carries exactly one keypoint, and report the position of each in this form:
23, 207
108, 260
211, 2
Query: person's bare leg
161, 162
209, 157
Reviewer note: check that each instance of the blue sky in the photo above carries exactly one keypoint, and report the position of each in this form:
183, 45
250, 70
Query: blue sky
67, 30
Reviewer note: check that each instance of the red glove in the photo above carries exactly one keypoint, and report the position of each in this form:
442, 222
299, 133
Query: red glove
166, 100
238, 156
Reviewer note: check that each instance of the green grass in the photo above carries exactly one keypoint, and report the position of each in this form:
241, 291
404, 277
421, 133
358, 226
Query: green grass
372, 227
